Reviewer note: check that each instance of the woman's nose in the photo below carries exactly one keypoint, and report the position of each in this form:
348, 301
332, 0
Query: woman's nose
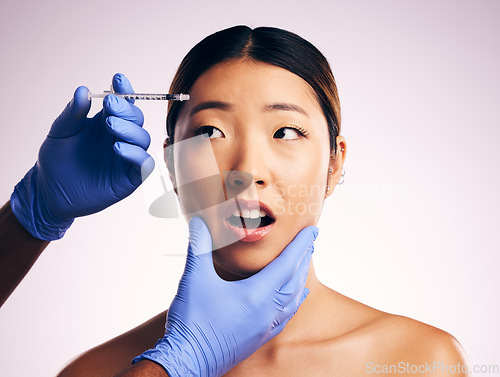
248, 169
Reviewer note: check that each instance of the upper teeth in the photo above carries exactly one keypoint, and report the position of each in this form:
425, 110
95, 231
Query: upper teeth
250, 213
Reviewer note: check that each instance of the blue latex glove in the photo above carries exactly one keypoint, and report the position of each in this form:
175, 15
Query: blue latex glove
85, 164
213, 324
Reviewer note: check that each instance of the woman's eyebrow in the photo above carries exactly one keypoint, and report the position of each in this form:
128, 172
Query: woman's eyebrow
285, 107
211, 105
281, 106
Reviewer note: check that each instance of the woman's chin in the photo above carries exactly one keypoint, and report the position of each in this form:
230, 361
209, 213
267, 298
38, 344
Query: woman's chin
238, 268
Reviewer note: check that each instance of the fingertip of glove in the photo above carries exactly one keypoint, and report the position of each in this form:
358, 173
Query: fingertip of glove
118, 148
110, 122
121, 84
117, 78
109, 101
195, 224
147, 167
199, 236
82, 92
81, 101
314, 234
310, 231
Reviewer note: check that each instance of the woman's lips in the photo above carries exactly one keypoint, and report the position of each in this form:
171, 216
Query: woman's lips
243, 233
248, 235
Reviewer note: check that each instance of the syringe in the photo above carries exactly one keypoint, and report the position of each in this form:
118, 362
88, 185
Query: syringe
143, 96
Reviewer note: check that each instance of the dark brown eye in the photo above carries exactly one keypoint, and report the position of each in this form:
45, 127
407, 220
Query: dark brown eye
209, 132
288, 133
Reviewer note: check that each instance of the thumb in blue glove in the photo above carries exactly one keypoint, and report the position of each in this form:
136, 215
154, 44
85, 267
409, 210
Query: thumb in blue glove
213, 324
85, 164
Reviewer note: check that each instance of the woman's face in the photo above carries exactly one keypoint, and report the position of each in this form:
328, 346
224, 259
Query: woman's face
265, 124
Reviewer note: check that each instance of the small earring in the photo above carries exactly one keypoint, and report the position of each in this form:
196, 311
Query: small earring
327, 188
341, 177
342, 150
330, 171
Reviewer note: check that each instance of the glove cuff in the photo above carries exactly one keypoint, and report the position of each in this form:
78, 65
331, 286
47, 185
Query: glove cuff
175, 360
29, 211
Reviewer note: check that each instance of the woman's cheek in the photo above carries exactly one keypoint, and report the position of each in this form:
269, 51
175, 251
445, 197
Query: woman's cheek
308, 209
197, 175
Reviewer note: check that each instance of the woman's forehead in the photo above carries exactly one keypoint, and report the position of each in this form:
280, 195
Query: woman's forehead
252, 82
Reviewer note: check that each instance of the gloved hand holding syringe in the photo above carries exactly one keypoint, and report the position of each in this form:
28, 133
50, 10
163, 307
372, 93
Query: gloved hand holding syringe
87, 164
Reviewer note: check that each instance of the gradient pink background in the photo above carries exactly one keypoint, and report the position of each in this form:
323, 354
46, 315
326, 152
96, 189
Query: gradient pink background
414, 230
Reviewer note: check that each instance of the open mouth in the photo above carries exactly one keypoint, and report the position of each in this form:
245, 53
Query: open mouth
258, 220
249, 220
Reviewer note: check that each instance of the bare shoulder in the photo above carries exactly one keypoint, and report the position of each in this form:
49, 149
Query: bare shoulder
395, 332
376, 342
413, 344
116, 354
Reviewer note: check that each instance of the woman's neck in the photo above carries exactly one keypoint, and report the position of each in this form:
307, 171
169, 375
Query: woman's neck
304, 324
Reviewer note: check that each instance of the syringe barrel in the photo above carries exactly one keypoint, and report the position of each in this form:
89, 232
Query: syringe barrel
144, 96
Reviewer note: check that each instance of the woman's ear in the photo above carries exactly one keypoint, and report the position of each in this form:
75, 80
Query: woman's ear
335, 166
168, 156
